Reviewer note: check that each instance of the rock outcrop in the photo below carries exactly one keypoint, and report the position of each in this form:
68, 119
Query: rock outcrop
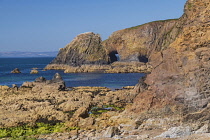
137, 43
41, 84
49, 101
181, 74
173, 101
178, 85
16, 70
34, 71
84, 49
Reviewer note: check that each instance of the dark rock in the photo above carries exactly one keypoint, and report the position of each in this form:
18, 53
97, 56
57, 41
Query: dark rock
57, 78
40, 80
16, 70
141, 85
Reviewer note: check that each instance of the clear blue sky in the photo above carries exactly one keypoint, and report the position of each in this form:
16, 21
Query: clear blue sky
47, 25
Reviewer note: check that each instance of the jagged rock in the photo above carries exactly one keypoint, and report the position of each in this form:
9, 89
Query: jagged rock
137, 43
141, 85
110, 132
41, 83
40, 80
180, 75
4, 87
16, 70
56, 78
81, 112
83, 49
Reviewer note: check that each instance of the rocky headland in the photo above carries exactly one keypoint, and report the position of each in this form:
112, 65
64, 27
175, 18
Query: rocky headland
171, 102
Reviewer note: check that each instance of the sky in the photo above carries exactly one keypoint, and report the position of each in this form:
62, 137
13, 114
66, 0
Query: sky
47, 25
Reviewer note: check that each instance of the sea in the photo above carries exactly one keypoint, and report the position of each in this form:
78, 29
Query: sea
109, 80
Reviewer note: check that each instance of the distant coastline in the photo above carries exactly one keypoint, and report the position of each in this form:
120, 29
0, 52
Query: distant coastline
20, 54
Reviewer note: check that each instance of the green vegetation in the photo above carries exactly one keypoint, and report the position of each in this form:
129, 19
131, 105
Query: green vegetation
114, 107
189, 6
97, 111
23, 132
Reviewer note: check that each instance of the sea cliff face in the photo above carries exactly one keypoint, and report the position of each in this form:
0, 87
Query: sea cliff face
137, 43
179, 81
83, 49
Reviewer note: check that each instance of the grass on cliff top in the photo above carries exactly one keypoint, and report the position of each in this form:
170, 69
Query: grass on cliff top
135, 27
25, 131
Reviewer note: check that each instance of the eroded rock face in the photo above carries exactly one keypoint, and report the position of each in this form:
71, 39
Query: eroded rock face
137, 43
180, 77
84, 49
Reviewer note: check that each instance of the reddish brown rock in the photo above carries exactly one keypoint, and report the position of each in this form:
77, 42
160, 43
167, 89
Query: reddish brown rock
180, 75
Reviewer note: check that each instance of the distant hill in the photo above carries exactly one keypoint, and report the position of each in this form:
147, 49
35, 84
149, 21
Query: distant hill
28, 54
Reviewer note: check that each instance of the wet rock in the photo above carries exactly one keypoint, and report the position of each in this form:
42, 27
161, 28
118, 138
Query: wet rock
40, 80
16, 70
34, 71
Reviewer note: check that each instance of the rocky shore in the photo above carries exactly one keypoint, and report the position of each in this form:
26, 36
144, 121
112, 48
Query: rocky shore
91, 113
116, 67
170, 102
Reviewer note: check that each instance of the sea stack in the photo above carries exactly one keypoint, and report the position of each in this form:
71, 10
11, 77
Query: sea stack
83, 49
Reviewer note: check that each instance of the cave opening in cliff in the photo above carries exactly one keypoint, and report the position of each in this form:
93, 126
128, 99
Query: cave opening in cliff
114, 56
143, 58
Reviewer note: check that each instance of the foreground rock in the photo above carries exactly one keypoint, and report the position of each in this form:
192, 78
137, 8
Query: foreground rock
16, 70
49, 101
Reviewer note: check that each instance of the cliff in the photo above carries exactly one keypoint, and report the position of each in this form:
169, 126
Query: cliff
137, 43
179, 81
172, 102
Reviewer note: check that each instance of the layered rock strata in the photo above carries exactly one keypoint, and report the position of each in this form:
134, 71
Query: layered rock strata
170, 103
84, 49
137, 43
178, 85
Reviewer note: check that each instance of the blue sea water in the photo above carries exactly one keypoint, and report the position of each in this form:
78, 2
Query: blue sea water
112, 81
